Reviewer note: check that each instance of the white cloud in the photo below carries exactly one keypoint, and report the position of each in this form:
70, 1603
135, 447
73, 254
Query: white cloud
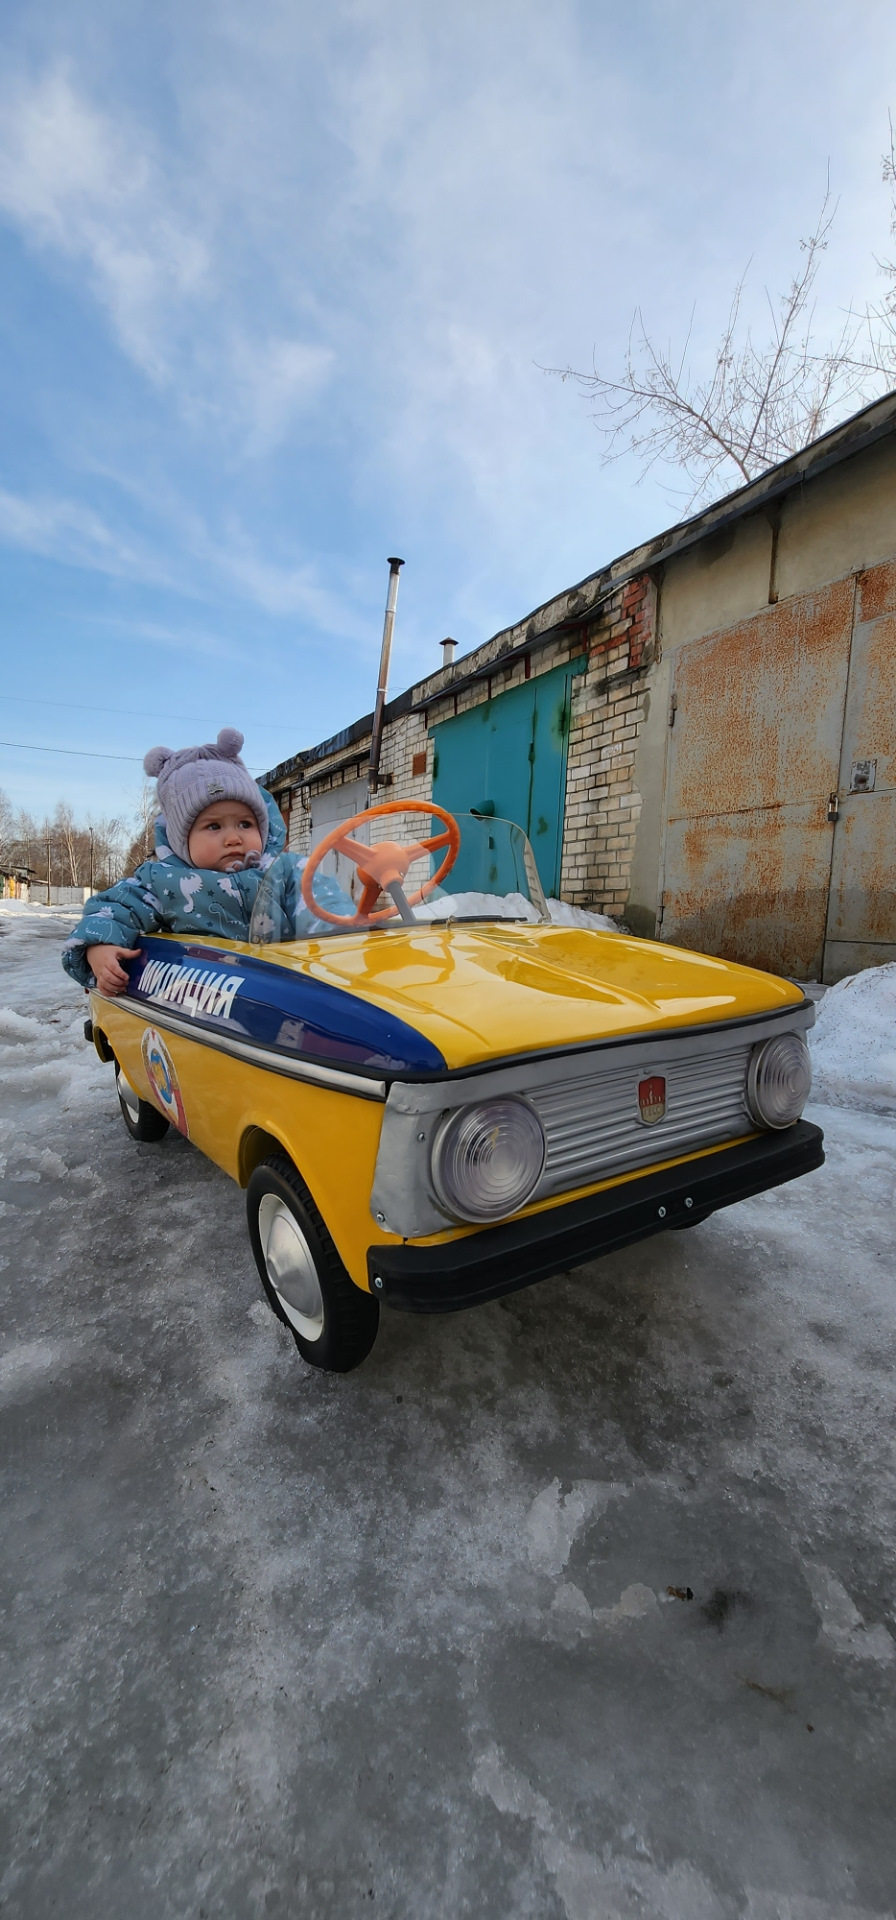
204, 567
284, 590
93, 188
68, 531
76, 182
274, 380
184, 640
339, 240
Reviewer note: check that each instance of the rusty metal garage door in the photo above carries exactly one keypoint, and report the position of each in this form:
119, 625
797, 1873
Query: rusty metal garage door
754, 755
328, 810
780, 837
861, 928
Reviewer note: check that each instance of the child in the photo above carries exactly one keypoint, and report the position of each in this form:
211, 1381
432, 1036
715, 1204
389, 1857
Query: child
217, 834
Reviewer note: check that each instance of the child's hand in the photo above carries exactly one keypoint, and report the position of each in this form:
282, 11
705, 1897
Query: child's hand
104, 964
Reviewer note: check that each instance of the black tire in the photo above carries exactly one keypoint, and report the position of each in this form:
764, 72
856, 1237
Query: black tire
143, 1122
333, 1323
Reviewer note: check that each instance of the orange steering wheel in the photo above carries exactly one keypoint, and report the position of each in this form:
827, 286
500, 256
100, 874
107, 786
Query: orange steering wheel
382, 865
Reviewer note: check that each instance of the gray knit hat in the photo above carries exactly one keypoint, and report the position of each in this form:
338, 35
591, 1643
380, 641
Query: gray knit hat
190, 780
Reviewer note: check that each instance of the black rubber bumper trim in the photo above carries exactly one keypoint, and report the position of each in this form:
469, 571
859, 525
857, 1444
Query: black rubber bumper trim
464, 1272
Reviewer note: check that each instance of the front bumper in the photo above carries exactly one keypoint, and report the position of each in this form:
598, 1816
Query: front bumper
481, 1266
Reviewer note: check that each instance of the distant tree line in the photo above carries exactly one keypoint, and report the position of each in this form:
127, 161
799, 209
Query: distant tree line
73, 853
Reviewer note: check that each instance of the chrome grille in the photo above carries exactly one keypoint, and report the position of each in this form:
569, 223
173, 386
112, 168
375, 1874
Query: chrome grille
593, 1125
587, 1100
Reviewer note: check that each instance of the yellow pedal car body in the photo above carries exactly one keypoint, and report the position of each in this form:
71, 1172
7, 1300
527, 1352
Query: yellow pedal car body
430, 1106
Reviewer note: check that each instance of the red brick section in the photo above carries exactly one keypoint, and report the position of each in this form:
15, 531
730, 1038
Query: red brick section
637, 610
626, 619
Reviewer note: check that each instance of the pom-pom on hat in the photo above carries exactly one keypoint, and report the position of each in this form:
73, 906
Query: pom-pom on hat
193, 778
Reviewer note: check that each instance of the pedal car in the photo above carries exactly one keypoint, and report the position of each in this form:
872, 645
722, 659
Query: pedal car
445, 1096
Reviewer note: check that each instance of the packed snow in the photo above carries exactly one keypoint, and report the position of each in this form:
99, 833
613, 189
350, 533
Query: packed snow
853, 1043
219, 1627
510, 906
563, 915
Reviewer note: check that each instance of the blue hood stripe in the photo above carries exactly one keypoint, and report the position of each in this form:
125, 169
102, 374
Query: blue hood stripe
224, 992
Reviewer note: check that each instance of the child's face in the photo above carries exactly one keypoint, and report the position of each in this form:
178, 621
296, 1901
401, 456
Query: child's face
222, 836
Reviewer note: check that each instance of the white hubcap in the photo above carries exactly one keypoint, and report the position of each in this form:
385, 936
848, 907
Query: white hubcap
127, 1096
290, 1267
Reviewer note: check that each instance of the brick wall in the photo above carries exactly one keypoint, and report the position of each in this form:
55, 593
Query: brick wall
602, 804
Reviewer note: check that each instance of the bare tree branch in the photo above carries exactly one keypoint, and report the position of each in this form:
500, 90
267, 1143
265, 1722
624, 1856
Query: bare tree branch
759, 403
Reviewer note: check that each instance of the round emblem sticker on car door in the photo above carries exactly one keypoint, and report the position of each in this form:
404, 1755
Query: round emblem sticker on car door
652, 1099
163, 1079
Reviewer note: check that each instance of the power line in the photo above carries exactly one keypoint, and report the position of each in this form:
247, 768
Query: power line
128, 713
83, 753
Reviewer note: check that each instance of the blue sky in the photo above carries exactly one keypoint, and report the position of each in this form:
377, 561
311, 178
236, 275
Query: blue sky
277, 284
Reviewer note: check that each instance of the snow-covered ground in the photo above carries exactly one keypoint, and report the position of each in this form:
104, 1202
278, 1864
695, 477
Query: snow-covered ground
853, 1043
418, 1641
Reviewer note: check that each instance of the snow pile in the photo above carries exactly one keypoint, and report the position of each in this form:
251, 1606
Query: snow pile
853, 1043
510, 906
47, 1071
566, 916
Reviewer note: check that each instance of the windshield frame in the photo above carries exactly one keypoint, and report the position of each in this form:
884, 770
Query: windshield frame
492, 850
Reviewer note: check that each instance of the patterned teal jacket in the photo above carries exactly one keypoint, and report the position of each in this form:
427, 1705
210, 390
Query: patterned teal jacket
165, 895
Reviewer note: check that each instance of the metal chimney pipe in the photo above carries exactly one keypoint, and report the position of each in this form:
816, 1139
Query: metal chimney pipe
376, 738
449, 648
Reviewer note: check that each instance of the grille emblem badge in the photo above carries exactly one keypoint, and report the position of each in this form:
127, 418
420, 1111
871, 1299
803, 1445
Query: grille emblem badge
652, 1099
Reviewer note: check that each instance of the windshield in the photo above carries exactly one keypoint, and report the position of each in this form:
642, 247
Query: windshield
487, 869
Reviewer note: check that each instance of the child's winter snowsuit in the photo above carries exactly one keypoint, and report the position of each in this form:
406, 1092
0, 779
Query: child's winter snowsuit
167, 895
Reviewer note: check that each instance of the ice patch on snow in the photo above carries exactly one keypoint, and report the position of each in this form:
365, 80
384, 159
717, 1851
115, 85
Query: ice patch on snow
592, 1887
765, 1905
570, 1599
615, 1887
842, 1625
554, 1519
26, 1364
509, 1790
634, 1603
853, 1042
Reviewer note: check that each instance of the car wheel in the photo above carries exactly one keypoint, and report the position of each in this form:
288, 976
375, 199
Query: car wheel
143, 1121
332, 1321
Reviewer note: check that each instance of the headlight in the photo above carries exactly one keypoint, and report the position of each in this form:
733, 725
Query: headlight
487, 1159
778, 1080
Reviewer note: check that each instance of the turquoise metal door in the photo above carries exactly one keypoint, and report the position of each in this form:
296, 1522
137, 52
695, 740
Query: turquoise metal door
508, 757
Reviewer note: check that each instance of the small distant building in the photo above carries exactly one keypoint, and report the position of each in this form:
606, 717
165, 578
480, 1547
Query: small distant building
699, 738
15, 882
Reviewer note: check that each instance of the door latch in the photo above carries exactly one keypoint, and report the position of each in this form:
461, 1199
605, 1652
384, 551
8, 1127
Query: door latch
833, 807
862, 776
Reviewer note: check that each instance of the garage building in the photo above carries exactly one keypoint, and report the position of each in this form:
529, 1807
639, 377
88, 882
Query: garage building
699, 738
